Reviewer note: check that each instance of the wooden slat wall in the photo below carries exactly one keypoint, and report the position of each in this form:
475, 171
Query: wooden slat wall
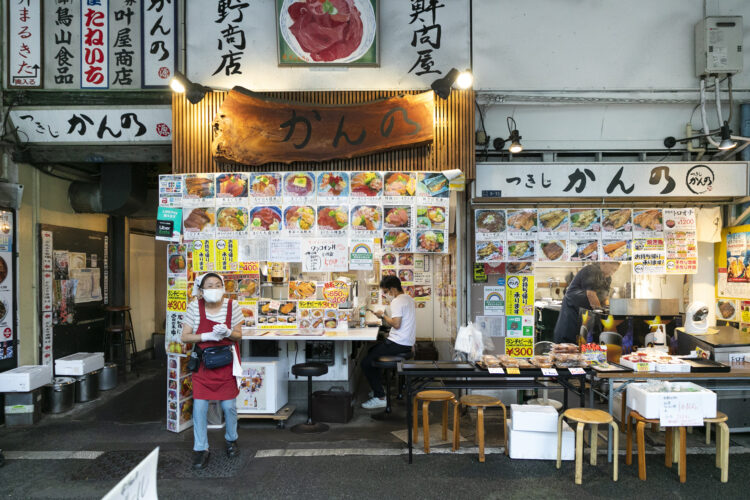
453, 146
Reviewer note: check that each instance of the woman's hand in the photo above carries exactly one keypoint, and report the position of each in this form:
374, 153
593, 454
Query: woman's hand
222, 330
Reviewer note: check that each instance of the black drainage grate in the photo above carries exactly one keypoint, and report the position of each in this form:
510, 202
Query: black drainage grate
172, 465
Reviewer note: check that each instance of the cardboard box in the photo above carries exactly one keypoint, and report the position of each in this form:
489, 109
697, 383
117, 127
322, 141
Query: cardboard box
536, 418
649, 404
79, 363
25, 378
529, 445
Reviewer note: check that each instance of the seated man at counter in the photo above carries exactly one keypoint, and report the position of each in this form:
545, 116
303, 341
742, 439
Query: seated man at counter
589, 290
400, 340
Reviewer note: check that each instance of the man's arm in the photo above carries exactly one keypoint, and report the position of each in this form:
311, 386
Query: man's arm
593, 299
392, 322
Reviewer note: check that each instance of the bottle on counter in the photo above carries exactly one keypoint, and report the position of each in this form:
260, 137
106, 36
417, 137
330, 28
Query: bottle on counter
276, 272
362, 317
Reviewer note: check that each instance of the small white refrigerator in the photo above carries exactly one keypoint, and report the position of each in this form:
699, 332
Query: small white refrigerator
263, 387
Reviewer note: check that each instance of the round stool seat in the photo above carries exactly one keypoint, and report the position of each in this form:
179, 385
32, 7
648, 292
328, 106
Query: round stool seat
435, 395
117, 308
115, 329
634, 414
387, 361
588, 416
309, 369
720, 417
479, 400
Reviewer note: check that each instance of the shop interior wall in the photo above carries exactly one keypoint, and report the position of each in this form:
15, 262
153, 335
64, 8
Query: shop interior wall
45, 201
639, 49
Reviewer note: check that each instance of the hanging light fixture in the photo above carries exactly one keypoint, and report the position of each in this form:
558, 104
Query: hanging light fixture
515, 137
194, 92
462, 79
726, 140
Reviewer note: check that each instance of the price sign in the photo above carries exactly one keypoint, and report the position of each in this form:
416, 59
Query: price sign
225, 255
251, 268
549, 372
176, 300
519, 347
514, 371
577, 371
202, 256
336, 292
496, 370
642, 367
737, 357
679, 410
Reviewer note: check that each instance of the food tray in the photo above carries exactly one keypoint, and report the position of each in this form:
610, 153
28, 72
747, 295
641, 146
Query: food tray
707, 365
612, 368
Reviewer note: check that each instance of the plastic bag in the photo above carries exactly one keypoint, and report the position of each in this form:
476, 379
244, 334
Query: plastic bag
471, 341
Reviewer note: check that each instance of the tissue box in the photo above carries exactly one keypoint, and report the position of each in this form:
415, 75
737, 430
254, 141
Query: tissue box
529, 445
25, 378
535, 418
649, 404
79, 363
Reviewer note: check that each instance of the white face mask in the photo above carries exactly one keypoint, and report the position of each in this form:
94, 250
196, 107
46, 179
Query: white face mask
213, 294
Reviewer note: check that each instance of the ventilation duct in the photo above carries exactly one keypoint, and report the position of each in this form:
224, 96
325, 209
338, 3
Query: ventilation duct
121, 191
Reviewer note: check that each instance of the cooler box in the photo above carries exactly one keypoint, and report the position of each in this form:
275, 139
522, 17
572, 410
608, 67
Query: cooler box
335, 405
79, 363
25, 378
23, 408
535, 418
530, 445
263, 387
649, 404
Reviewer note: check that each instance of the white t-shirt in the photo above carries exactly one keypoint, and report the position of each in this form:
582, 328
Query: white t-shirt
193, 316
403, 307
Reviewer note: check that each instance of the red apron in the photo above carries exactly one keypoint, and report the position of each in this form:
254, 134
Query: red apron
217, 384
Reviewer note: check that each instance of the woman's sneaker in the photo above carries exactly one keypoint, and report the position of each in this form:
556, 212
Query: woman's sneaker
374, 403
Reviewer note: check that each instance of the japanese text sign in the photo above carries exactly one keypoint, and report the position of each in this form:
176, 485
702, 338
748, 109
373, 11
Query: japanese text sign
336, 292
519, 295
159, 41
325, 255
519, 347
566, 180
679, 410
24, 43
94, 38
253, 130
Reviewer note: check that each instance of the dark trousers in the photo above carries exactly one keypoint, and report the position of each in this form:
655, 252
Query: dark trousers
372, 373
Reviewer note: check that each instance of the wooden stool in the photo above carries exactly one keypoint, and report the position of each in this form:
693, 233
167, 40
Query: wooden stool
594, 418
428, 397
722, 442
640, 429
481, 402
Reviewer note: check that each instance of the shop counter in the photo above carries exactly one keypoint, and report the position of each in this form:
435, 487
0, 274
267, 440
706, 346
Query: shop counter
368, 334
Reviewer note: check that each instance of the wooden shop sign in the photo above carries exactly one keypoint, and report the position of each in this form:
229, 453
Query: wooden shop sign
253, 130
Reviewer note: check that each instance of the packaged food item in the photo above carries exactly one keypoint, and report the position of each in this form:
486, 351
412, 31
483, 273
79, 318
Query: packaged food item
490, 361
564, 348
542, 361
524, 363
568, 360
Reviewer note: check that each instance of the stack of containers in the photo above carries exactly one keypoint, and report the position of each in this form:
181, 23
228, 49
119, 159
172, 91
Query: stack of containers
23, 393
532, 434
85, 367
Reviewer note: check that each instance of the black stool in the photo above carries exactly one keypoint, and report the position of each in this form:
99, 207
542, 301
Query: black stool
400, 381
119, 334
309, 370
388, 364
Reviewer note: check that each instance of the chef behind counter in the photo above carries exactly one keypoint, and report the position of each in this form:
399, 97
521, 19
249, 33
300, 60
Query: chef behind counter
589, 289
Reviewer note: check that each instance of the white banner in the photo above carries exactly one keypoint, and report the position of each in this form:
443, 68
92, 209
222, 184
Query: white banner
615, 180
159, 41
62, 50
92, 125
94, 37
125, 44
140, 483
25, 43
237, 43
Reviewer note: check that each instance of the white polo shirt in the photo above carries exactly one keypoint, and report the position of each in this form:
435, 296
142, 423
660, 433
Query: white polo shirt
403, 307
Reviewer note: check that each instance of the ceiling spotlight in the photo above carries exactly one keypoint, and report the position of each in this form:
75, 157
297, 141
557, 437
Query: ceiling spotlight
465, 79
442, 86
515, 137
193, 91
726, 141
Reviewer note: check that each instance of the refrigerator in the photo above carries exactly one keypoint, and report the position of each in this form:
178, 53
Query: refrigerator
263, 386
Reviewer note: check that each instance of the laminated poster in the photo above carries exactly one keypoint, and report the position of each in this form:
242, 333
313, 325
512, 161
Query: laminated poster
494, 300
681, 240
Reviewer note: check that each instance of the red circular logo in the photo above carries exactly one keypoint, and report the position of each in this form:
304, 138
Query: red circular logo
163, 129
7, 333
164, 73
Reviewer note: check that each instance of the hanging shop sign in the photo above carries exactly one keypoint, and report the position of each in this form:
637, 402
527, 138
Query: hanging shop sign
25, 43
253, 130
92, 45
611, 180
311, 45
94, 125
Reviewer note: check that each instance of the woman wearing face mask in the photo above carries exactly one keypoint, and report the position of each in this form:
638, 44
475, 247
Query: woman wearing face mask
400, 340
212, 321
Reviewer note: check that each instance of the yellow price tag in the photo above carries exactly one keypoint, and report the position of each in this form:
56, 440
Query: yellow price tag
512, 371
176, 300
251, 268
